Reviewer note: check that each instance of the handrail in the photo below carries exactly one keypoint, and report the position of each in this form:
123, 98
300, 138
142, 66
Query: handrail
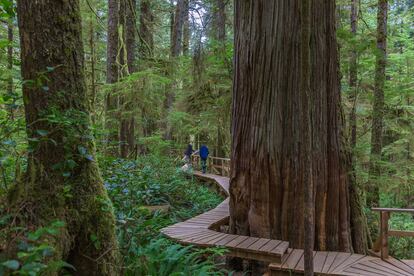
216, 165
381, 245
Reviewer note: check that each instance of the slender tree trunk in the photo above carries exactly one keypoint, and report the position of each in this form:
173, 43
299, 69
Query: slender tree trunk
186, 28
220, 18
10, 84
92, 47
112, 71
127, 131
63, 181
176, 47
378, 107
353, 75
268, 161
146, 30
305, 98
362, 240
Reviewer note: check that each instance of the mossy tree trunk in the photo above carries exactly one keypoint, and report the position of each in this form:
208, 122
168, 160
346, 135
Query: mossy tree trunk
372, 190
63, 181
268, 165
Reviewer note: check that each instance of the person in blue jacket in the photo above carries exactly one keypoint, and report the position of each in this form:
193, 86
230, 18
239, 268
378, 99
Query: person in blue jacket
204, 155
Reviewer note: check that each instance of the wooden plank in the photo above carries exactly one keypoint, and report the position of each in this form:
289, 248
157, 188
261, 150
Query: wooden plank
281, 248
300, 266
349, 261
319, 261
385, 216
329, 261
359, 271
207, 241
380, 262
400, 265
270, 245
217, 239
247, 243
399, 233
398, 210
237, 241
409, 263
226, 240
258, 244
293, 259
377, 267
204, 239
339, 259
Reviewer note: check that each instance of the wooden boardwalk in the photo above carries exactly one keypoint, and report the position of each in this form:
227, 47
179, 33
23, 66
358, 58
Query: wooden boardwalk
202, 231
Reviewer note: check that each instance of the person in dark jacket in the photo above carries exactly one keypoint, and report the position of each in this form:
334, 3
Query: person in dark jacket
203, 156
187, 154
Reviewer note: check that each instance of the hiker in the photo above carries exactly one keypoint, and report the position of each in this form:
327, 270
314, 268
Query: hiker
187, 154
204, 155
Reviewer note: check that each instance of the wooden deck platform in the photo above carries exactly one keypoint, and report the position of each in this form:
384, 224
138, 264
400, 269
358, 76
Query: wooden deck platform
202, 231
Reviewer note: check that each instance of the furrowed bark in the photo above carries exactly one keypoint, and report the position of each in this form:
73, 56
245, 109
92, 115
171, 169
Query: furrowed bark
62, 181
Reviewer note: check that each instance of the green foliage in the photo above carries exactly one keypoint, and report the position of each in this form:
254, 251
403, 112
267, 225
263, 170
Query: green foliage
35, 256
134, 188
162, 258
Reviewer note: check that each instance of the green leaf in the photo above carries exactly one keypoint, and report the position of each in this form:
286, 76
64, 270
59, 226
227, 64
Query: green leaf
11, 264
42, 132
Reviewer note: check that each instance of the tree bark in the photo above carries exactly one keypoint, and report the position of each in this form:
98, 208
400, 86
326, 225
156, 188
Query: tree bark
146, 30
112, 71
10, 83
268, 165
127, 125
306, 145
175, 51
372, 191
220, 21
62, 181
362, 239
186, 28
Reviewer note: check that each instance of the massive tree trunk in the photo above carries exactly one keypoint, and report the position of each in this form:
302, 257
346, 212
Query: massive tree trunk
10, 84
372, 191
63, 181
353, 75
267, 174
306, 143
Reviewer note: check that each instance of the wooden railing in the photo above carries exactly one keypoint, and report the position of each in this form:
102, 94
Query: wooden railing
381, 245
215, 165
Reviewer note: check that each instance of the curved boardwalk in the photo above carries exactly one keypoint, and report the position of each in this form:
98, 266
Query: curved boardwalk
202, 231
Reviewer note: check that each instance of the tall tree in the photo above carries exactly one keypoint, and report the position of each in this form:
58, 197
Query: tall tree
268, 164
175, 51
62, 180
186, 28
306, 145
358, 220
127, 126
378, 107
146, 24
112, 70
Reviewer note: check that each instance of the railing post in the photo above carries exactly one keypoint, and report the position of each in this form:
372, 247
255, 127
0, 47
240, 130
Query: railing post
385, 216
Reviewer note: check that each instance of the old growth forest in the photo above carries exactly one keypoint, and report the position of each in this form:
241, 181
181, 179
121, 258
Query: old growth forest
207, 137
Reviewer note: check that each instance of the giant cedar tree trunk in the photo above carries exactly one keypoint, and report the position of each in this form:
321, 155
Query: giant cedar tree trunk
186, 28
61, 161
378, 107
267, 191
